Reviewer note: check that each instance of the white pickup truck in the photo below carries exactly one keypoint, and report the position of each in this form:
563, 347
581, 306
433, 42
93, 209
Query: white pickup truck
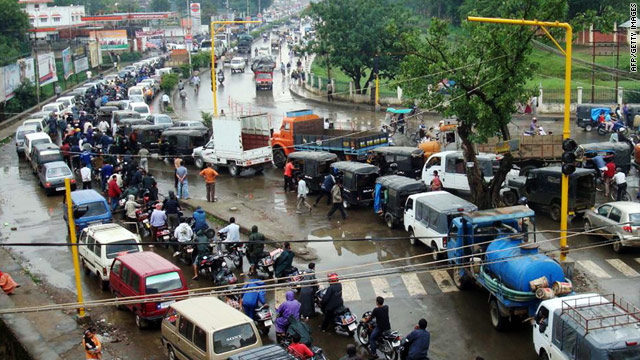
237, 143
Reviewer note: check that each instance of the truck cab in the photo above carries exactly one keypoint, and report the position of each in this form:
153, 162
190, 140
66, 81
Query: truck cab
586, 326
264, 80
452, 169
282, 140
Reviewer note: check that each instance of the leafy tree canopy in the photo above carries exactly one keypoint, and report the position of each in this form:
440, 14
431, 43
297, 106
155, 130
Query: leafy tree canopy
490, 66
14, 24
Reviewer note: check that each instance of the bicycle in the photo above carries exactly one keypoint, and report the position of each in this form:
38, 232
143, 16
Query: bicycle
613, 193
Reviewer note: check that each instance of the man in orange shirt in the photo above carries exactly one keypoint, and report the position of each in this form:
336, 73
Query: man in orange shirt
288, 175
209, 175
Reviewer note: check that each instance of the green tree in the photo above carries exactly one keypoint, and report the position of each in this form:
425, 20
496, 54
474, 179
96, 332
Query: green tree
159, 5
601, 13
14, 24
357, 34
491, 66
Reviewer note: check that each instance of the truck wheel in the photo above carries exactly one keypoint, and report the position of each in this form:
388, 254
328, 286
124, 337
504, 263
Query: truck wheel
279, 158
199, 162
461, 279
588, 128
497, 320
234, 170
555, 212
510, 198
388, 219
140, 322
435, 252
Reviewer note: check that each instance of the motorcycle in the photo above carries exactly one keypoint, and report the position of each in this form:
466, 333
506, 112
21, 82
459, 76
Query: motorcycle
617, 127
221, 78
263, 319
265, 265
163, 234
344, 321
233, 251
301, 328
214, 266
388, 342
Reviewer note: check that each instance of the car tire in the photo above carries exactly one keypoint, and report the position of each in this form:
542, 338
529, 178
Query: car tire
171, 353
498, 321
588, 128
587, 227
199, 162
388, 219
617, 246
555, 212
104, 285
435, 252
119, 307
412, 238
234, 170
543, 355
510, 198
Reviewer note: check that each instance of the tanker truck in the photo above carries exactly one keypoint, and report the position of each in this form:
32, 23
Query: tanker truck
494, 250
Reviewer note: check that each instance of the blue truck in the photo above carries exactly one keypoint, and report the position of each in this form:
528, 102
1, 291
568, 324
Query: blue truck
491, 248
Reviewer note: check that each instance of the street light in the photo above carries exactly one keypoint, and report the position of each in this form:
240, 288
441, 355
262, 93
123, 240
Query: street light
213, 57
566, 127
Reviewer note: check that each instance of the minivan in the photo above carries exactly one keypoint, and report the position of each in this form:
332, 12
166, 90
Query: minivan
146, 273
41, 123
136, 90
21, 132
68, 101
427, 217
56, 108
101, 244
31, 140
140, 107
44, 153
89, 207
452, 169
206, 328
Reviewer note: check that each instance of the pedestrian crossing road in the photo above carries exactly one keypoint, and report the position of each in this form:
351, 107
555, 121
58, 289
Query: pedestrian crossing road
440, 281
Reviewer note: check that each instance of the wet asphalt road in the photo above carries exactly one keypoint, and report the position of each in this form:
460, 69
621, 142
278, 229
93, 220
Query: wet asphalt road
459, 321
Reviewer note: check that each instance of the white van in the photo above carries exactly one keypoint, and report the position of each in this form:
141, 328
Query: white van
56, 108
427, 217
103, 243
68, 101
140, 107
31, 140
136, 90
40, 124
452, 169
205, 328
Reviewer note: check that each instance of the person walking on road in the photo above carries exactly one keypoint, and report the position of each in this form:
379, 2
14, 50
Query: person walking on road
288, 175
85, 174
209, 174
303, 190
114, 192
621, 181
176, 164
325, 189
336, 197
329, 92
183, 184
144, 158
417, 342
92, 346
607, 175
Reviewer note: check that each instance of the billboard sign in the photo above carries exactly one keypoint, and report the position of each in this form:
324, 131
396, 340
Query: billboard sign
67, 65
112, 40
47, 68
94, 54
81, 64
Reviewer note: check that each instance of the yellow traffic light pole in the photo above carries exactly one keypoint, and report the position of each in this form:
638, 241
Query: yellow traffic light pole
566, 127
213, 57
74, 248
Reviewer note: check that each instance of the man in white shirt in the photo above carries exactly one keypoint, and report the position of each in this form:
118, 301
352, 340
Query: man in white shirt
621, 181
85, 173
232, 230
103, 126
165, 101
303, 191
183, 233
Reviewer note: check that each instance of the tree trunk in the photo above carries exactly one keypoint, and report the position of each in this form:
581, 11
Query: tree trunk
356, 83
484, 195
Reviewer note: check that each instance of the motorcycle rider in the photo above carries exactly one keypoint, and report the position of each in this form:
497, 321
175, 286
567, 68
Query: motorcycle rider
416, 344
255, 249
299, 350
200, 219
291, 307
381, 314
331, 300
308, 291
202, 247
352, 353
252, 299
232, 230
284, 261
183, 234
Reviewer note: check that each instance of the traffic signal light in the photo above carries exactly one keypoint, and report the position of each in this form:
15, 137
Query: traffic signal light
569, 147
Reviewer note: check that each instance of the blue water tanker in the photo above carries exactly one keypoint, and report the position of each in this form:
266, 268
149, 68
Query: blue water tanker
516, 265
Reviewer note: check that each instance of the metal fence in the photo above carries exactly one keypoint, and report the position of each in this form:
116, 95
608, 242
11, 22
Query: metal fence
601, 95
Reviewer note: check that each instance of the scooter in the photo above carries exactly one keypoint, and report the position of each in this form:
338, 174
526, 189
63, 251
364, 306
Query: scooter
617, 127
265, 265
263, 319
220, 77
388, 342
214, 266
233, 251
344, 321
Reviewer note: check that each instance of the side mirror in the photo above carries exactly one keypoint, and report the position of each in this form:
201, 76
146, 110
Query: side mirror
79, 211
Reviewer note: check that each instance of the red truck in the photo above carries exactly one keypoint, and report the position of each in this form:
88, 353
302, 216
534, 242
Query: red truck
303, 130
264, 80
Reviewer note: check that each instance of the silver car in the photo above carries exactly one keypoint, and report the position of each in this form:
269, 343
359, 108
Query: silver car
618, 221
52, 177
20, 134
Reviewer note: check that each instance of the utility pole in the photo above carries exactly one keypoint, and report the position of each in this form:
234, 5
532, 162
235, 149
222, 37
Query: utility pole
247, 9
593, 68
35, 65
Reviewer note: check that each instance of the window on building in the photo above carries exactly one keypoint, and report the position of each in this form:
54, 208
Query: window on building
43, 20
36, 6
56, 19
32, 21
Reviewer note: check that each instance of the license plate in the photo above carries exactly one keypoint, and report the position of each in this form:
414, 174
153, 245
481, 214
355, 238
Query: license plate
270, 267
166, 237
268, 323
60, 188
146, 221
166, 304
189, 251
396, 343
352, 326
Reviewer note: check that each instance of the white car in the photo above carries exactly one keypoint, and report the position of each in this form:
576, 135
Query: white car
55, 108
40, 124
21, 132
136, 90
237, 64
103, 243
31, 140
140, 107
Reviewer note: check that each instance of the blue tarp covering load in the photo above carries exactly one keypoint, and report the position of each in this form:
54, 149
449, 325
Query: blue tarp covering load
595, 112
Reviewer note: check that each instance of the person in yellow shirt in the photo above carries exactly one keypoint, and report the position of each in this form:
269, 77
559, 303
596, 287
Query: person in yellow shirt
209, 175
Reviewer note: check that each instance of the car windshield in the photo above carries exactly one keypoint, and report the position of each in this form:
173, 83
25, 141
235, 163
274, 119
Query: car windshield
141, 109
58, 172
95, 209
123, 247
264, 76
39, 141
163, 282
233, 338
237, 61
21, 133
163, 120
54, 156
634, 219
